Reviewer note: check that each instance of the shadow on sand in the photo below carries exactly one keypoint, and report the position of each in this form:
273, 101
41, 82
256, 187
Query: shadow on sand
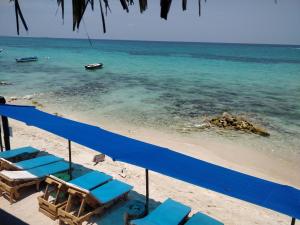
113, 215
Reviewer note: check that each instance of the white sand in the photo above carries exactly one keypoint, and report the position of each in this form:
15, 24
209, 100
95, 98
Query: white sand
229, 210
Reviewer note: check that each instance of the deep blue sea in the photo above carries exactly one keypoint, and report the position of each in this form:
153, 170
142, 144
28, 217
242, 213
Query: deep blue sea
163, 85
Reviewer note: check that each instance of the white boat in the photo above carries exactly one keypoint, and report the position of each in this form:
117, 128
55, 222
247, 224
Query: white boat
94, 66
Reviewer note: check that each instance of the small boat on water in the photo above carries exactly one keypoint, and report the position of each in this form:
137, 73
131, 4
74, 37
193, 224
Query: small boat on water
27, 59
94, 66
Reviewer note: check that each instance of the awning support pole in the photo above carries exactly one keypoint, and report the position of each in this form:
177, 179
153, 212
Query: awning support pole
1, 144
147, 193
5, 127
70, 160
293, 221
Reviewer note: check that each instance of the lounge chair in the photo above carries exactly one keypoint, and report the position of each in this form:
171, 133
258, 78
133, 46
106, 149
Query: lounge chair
56, 194
169, 212
18, 154
202, 219
29, 163
12, 181
91, 203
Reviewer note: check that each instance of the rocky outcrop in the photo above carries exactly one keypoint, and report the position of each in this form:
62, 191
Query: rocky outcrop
12, 99
228, 121
37, 104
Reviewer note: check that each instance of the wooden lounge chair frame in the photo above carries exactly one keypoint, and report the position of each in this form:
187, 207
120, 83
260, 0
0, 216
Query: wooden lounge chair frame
67, 214
7, 165
58, 188
10, 188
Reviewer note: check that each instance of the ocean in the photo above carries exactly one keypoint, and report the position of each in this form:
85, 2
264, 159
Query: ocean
169, 86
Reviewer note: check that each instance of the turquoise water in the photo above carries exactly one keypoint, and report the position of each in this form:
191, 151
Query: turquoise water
162, 85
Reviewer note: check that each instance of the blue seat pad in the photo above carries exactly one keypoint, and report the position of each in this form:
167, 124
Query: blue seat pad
18, 151
202, 219
169, 212
91, 180
110, 191
38, 161
49, 169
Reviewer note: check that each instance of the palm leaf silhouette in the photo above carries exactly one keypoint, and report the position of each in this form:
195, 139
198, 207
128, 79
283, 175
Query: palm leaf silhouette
79, 8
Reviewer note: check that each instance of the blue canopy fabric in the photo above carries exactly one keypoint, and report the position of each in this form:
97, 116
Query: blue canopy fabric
278, 197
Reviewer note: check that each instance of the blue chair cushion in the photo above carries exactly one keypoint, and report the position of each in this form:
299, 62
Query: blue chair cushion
202, 219
169, 212
48, 169
38, 161
18, 151
110, 191
91, 180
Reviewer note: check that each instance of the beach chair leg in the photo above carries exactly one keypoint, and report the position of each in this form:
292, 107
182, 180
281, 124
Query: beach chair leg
61, 222
46, 194
57, 196
15, 194
11, 196
81, 209
38, 185
69, 203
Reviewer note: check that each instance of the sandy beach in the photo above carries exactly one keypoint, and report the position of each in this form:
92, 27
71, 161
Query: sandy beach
226, 209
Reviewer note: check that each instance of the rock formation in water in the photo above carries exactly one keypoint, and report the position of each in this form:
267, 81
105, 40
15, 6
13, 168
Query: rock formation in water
228, 121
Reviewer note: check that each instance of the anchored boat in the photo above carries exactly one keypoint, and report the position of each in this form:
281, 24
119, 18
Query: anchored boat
94, 66
27, 59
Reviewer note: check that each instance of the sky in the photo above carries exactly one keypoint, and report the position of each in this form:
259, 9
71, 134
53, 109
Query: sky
226, 21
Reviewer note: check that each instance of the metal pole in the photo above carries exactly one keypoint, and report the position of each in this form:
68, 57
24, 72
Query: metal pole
147, 193
5, 127
293, 221
1, 144
70, 160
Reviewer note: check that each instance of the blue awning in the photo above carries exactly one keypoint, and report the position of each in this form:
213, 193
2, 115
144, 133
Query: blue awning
278, 197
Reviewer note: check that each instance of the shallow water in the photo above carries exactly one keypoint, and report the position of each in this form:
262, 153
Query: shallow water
168, 86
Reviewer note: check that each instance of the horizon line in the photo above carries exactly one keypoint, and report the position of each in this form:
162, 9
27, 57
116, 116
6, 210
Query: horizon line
159, 41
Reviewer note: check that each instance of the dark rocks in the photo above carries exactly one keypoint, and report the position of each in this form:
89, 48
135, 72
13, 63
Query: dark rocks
228, 121
37, 104
12, 99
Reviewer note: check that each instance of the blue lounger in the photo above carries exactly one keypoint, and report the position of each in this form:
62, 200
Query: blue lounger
169, 212
98, 200
12, 181
202, 219
90, 180
49, 205
110, 191
18, 152
31, 163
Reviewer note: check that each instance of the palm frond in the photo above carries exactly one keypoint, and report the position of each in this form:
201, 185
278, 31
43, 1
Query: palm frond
164, 8
102, 17
62, 4
184, 2
124, 5
79, 8
18, 14
143, 5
